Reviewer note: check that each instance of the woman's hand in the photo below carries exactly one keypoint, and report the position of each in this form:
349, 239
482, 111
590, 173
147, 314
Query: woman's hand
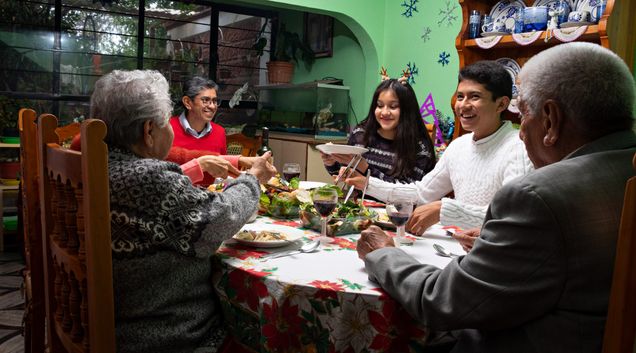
327, 159
423, 217
262, 169
467, 238
373, 238
217, 166
354, 179
342, 158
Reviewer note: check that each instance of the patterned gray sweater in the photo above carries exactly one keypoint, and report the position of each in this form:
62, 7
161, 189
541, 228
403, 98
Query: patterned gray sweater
164, 233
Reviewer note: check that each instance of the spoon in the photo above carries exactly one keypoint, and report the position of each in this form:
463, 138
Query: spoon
441, 251
309, 247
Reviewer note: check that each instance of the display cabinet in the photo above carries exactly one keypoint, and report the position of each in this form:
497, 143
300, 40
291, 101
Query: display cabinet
314, 108
615, 30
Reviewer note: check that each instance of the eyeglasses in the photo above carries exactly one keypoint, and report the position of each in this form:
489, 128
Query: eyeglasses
209, 101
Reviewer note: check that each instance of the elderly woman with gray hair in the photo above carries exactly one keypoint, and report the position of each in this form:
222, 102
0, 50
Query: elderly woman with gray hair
164, 230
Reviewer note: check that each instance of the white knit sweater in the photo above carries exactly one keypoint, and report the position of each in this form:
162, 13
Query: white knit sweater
474, 170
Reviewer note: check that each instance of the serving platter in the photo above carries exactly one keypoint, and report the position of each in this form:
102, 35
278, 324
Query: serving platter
340, 149
292, 234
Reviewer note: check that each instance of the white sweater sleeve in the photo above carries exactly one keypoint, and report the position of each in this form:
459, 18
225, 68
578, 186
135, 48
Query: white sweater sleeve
466, 215
432, 187
519, 164
463, 215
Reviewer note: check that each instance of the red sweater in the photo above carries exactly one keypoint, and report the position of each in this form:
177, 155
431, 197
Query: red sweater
213, 142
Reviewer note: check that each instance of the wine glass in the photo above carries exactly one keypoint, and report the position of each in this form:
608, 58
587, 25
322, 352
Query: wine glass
325, 201
291, 170
399, 207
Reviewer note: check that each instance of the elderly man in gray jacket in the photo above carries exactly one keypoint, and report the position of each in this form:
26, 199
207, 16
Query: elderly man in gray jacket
538, 278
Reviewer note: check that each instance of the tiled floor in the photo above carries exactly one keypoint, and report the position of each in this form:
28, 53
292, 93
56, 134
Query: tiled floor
11, 303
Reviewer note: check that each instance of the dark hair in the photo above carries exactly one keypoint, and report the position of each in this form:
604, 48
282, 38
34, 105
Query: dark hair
410, 130
491, 74
192, 87
196, 84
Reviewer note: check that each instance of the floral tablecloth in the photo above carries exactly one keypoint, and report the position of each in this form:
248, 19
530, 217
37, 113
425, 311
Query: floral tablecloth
317, 302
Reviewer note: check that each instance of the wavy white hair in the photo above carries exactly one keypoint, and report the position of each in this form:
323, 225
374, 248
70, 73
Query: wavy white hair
125, 100
591, 84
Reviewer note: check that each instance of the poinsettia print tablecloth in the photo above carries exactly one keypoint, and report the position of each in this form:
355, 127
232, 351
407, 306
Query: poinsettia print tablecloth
317, 302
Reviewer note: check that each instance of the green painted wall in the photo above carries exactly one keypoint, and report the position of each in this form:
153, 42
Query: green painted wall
420, 40
369, 34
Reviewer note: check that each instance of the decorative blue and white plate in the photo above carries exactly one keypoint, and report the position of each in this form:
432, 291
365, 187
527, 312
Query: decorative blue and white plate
552, 4
505, 11
587, 5
513, 69
499, 7
510, 65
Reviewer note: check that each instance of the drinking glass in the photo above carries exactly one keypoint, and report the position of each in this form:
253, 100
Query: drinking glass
325, 201
399, 207
291, 170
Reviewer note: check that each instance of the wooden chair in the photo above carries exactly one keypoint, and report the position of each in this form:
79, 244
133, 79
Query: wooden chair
620, 328
75, 218
33, 273
30, 207
243, 145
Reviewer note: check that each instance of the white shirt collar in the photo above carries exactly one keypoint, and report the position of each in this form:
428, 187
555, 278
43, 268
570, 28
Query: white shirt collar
186, 126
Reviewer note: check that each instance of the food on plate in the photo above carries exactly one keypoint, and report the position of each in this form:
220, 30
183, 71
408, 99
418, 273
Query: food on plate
281, 199
264, 235
347, 218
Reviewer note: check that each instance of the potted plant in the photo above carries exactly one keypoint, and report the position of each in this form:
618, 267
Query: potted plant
288, 47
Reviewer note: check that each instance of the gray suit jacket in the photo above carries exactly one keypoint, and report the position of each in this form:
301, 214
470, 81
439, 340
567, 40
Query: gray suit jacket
539, 276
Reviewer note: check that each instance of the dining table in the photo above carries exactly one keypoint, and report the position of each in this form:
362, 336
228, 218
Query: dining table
320, 301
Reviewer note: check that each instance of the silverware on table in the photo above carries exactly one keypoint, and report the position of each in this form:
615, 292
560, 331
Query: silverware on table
366, 184
442, 251
306, 248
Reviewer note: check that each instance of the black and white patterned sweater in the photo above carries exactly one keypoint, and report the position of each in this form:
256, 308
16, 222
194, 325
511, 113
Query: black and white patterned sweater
164, 233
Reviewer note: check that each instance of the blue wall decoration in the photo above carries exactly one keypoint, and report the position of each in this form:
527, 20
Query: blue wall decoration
410, 7
448, 17
443, 58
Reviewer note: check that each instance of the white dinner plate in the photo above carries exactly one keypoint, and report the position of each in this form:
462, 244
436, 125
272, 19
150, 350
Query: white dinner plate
574, 24
292, 234
308, 185
340, 149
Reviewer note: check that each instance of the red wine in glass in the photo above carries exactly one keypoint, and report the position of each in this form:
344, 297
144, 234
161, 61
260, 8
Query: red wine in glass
325, 208
398, 218
290, 176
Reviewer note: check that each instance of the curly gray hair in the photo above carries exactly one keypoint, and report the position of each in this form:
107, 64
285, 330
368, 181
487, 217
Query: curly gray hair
591, 84
125, 100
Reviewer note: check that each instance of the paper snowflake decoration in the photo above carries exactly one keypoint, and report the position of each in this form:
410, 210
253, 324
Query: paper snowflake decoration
447, 14
413, 70
410, 7
426, 34
443, 58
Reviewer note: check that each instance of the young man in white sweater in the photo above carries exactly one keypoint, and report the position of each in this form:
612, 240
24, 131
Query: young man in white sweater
475, 165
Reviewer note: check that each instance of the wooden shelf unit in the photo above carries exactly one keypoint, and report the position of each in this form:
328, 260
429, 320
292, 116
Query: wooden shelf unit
615, 31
